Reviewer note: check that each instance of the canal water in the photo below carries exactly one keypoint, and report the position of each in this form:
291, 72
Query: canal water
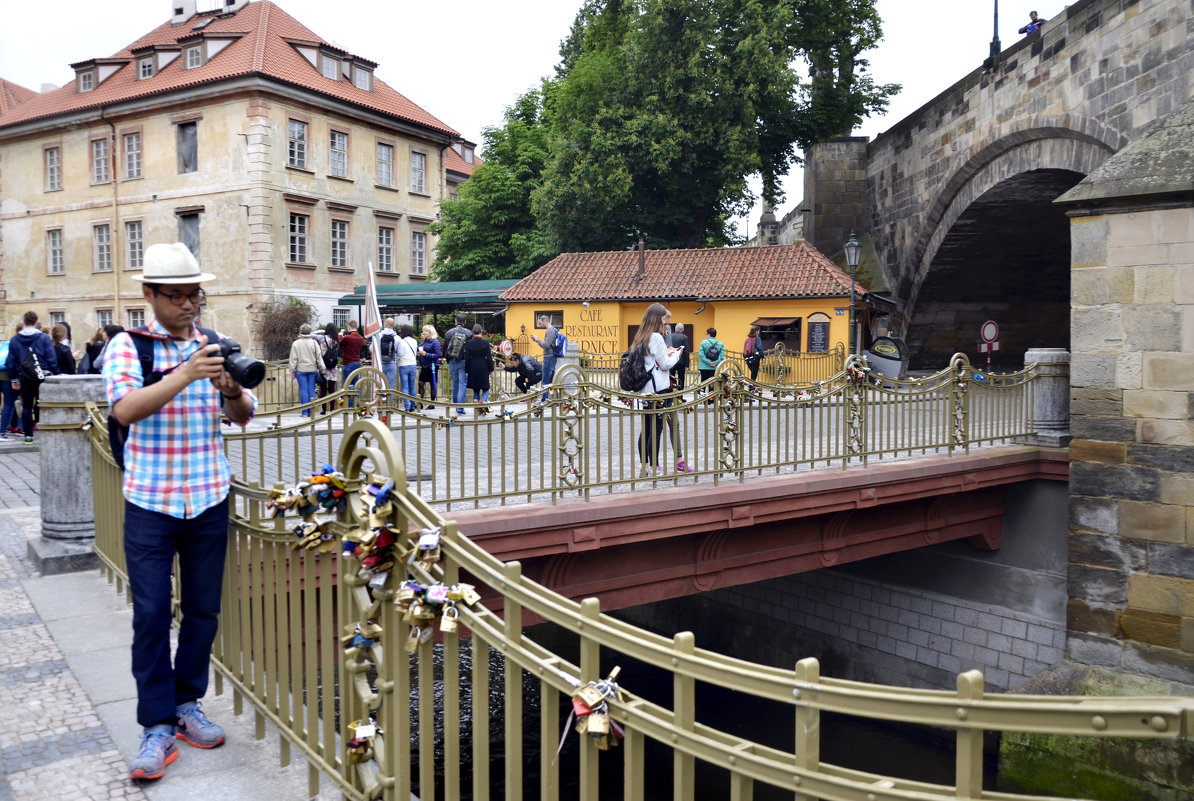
911, 752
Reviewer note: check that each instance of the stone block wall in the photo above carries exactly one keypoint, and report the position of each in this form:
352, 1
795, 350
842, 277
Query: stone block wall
1132, 458
864, 630
834, 183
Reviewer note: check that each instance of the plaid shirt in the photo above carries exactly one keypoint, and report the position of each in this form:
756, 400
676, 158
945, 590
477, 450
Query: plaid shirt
174, 459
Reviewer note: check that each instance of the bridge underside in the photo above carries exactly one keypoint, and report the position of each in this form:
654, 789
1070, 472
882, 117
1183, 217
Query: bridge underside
1006, 258
638, 548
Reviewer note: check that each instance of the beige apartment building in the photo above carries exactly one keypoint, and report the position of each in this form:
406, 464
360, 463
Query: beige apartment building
284, 163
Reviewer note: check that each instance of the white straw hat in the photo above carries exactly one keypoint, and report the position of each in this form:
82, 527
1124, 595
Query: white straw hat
171, 264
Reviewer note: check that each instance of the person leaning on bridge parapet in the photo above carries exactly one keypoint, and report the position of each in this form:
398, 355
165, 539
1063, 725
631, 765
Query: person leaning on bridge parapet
530, 372
1035, 23
176, 483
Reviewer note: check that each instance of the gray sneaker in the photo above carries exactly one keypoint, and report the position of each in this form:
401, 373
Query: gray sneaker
157, 751
195, 729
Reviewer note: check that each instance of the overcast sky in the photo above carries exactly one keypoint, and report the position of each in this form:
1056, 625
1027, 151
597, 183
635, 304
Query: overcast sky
466, 60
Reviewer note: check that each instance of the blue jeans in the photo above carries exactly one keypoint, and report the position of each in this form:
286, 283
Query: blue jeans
306, 382
459, 381
407, 374
345, 370
150, 542
390, 369
549, 370
10, 406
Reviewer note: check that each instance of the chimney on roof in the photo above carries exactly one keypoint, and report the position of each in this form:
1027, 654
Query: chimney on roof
642, 260
233, 6
182, 11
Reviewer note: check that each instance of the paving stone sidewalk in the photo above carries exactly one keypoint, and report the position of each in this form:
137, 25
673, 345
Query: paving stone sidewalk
67, 698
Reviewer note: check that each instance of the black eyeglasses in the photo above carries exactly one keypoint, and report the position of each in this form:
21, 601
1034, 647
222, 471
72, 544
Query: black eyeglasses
177, 298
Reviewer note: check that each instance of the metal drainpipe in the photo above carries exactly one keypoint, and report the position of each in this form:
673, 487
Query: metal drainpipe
115, 235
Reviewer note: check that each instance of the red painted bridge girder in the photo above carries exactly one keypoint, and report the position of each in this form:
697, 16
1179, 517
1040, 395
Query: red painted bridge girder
646, 546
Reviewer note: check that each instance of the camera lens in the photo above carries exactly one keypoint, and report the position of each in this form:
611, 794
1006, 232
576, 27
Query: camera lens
247, 371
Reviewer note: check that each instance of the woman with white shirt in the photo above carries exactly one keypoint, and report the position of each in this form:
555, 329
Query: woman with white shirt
659, 359
407, 350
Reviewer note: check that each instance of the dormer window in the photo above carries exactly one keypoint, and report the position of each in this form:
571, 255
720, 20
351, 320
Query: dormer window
362, 79
86, 81
467, 155
194, 57
330, 67
144, 68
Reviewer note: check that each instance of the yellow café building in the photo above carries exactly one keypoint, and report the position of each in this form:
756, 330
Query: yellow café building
793, 292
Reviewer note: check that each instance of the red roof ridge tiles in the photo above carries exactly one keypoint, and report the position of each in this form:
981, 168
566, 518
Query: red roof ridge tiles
262, 49
12, 95
797, 270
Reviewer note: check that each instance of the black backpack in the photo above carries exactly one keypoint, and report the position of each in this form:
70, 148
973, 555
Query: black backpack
31, 370
457, 339
331, 355
118, 433
387, 347
632, 372
713, 352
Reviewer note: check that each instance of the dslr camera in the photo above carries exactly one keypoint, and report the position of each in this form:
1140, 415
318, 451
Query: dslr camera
247, 371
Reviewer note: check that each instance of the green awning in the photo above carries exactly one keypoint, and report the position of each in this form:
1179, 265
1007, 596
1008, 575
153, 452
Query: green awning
437, 296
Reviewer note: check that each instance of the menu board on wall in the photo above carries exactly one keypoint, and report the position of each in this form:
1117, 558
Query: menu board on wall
818, 337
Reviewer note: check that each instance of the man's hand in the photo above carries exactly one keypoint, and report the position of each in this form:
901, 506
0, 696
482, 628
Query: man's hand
206, 362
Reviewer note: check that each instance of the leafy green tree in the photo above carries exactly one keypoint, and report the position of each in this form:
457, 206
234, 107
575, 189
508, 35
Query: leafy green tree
488, 231
659, 112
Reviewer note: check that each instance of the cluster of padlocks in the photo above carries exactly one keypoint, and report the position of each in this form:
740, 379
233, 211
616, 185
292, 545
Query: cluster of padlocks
590, 709
322, 492
422, 606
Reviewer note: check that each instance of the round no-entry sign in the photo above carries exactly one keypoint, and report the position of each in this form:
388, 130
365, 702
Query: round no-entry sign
989, 331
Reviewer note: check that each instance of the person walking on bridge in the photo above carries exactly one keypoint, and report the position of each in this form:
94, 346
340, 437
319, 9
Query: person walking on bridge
659, 359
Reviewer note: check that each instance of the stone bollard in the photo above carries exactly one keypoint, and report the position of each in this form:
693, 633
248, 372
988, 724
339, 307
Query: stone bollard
1051, 396
67, 540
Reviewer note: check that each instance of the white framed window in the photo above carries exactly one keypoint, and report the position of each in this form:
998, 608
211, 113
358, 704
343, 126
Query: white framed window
362, 79
134, 244
101, 247
385, 249
418, 172
298, 238
339, 243
193, 56
53, 168
57, 318
297, 133
132, 155
418, 253
385, 164
188, 231
330, 68
103, 317
54, 262
99, 161
86, 81
144, 69
338, 154
136, 318
340, 317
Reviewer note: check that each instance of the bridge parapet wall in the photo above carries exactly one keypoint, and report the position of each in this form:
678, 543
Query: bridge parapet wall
1099, 74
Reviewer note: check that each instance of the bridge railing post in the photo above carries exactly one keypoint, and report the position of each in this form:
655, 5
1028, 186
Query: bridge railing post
684, 711
808, 719
969, 768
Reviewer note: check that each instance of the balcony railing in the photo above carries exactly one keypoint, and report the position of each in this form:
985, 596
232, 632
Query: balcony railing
380, 719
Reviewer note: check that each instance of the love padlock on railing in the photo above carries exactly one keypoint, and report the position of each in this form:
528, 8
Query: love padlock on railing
428, 545
590, 709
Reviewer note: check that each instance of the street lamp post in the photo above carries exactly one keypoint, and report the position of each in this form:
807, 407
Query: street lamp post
853, 250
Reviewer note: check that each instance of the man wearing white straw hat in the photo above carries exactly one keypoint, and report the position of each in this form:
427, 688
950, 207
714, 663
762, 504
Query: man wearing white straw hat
176, 484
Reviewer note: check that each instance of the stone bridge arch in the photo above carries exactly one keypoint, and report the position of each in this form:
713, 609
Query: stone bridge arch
992, 245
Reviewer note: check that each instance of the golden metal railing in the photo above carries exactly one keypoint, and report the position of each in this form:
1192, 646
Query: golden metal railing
278, 647
585, 440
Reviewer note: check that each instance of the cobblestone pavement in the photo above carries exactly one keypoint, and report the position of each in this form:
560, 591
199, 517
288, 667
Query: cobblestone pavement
67, 699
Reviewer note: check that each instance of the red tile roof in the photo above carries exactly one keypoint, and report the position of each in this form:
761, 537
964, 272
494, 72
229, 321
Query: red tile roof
774, 271
456, 163
262, 49
11, 95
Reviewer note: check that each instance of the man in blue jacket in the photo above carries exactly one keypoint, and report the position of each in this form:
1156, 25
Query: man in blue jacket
22, 372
